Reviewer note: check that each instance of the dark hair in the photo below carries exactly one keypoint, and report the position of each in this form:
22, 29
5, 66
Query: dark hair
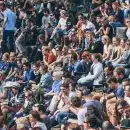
65, 85
98, 57
112, 80
74, 56
120, 70
35, 115
44, 67
41, 108
37, 128
76, 102
27, 64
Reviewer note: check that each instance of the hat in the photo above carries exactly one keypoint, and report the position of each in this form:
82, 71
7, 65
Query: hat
125, 123
15, 85
8, 84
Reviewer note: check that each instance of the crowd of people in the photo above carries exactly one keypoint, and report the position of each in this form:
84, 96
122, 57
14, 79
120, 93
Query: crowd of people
65, 65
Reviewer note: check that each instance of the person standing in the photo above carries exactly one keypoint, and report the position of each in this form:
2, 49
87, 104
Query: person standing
8, 26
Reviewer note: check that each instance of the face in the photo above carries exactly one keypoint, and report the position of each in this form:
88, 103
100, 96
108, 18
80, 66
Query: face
104, 40
127, 46
64, 90
19, 64
128, 22
98, 19
113, 85
4, 58
93, 58
14, 90
25, 67
80, 18
35, 68
117, 75
58, 52
127, 91
78, 93
114, 41
122, 43
1, 7
28, 97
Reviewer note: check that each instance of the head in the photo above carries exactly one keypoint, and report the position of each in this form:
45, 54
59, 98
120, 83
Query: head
45, 50
122, 43
29, 95
19, 64
127, 47
35, 116
76, 102
127, 90
81, 17
73, 57
113, 83
119, 72
26, 66
79, 92
57, 76
86, 56
115, 41
12, 56
122, 105
36, 67
43, 69
63, 13
65, 88
125, 82
2, 6
58, 50
15, 90
90, 36
127, 22
105, 40
46, 12
65, 50
115, 6
97, 58
5, 57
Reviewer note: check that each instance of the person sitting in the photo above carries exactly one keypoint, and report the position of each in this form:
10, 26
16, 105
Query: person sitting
95, 75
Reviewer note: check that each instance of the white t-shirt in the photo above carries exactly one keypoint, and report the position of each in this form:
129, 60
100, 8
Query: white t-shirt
62, 23
81, 116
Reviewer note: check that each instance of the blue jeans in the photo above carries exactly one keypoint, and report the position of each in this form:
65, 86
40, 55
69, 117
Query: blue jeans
8, 37
64, 116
